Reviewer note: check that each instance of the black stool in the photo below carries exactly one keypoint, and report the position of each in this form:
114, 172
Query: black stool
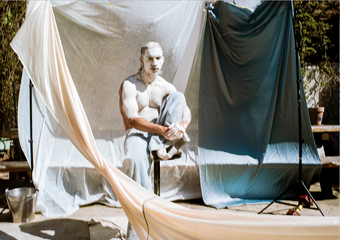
156, 178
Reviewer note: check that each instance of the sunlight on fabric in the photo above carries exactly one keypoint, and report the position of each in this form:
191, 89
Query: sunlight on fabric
39, 48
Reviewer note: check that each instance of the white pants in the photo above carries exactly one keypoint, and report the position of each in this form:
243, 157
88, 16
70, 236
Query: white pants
138, 144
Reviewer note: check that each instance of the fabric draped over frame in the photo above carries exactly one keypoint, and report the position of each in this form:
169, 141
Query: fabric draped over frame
248, 132
101, 42
39, 48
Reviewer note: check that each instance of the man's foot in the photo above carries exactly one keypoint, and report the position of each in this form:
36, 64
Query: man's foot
162, 154
169, 153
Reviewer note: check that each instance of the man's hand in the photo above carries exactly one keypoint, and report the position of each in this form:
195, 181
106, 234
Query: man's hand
175, 132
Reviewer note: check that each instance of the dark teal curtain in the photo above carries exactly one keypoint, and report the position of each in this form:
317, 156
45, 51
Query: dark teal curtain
248, 109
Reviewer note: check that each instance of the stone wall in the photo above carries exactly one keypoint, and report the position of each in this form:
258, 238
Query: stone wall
320, 92
329, 98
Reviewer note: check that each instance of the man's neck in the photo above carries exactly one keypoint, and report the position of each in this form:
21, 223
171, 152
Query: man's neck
148, 78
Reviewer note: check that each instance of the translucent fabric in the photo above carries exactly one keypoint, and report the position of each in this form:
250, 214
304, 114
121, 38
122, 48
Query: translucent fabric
102, 43
39, 48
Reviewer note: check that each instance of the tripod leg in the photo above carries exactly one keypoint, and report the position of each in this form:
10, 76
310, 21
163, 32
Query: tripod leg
266, 207
310, 195
275, 199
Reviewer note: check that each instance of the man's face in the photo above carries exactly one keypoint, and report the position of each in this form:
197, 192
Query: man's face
152, 61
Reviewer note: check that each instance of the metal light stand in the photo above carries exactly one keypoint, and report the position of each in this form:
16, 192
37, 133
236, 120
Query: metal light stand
300, 181
31, 128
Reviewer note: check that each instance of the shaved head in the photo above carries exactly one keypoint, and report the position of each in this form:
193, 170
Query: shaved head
148, 46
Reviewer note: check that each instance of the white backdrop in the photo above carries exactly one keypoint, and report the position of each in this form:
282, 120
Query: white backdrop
39, 48
102, 43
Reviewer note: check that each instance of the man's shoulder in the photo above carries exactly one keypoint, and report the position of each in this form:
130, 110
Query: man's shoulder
160, 78
133, 78
131, 81
129, 85
167, 84
164, 82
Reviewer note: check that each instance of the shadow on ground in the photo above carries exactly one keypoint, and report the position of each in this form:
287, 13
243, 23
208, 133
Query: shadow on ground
6, 217
57, 229
4, 236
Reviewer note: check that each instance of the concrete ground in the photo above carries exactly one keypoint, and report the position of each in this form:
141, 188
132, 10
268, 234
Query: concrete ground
76, 226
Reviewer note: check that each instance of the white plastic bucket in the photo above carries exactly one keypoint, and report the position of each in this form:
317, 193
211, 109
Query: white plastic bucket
21, 202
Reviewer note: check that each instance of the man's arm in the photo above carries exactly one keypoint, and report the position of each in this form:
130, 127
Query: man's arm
129, 111
177, 130
186, 118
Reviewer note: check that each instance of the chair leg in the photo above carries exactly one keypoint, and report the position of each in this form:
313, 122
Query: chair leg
156, 178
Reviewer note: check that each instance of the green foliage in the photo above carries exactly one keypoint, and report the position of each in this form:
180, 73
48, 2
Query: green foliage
316, 29
12, 15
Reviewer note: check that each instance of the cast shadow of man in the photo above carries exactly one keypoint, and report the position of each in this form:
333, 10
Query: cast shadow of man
5, 236
58, 229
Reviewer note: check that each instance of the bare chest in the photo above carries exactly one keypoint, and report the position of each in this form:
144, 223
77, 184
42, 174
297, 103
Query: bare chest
150, 96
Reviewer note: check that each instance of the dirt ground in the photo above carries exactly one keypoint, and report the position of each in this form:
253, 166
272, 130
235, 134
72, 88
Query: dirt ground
77, 225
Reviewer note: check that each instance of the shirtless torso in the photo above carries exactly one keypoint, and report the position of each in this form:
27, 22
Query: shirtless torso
141, 96
143, 100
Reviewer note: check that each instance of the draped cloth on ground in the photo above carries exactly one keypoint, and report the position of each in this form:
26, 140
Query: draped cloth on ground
101, 42
39, 48
248, 132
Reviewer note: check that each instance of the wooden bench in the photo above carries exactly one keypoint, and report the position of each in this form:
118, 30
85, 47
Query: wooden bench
325, 128
330, 165
11, 134
329, 174
330, 162
14, 168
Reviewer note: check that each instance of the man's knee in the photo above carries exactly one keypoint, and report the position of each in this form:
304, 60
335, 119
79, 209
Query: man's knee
177, 95
174, 99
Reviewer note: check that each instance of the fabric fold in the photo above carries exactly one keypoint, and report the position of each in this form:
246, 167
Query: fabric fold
150, 215
249, 66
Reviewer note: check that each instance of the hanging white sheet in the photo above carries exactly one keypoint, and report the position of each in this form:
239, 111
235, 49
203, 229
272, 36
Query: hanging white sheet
102, 43
39, 48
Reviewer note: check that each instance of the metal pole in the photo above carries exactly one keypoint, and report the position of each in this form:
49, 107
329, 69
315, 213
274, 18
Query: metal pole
301, 140
298, 83
15, 105
31, 123
16, 120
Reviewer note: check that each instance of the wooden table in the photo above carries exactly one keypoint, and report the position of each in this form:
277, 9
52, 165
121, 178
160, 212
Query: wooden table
11, 134
16, 169
14, 166
330, 162
325, 128
324, 131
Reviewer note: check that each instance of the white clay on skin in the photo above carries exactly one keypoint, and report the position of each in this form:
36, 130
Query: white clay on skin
143, 98
142, 95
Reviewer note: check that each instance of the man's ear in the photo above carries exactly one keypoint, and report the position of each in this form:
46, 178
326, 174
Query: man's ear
141, 60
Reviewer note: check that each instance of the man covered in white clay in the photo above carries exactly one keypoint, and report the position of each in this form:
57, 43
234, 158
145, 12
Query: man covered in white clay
155, 118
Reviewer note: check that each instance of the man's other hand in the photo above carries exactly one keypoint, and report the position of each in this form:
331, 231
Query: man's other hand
174, 132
